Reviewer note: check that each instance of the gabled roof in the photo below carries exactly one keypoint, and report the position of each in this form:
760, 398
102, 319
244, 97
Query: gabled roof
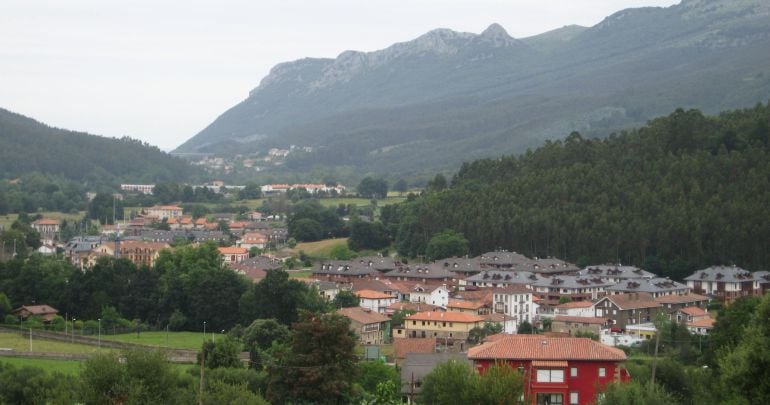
463, 304
731, 274
445, 317
373, 295
579, 319
706, 323
403, 346
411, 306
680, 299
631, 301
46, 221
38, 309
655, 285
536, 347
362, 316
575, 304
232, 250
693, 311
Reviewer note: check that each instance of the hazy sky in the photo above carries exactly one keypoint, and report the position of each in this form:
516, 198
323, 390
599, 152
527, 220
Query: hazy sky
161, 70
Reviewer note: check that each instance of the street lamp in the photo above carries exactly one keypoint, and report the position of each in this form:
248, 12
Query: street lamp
73, 329
100, 332
204, 331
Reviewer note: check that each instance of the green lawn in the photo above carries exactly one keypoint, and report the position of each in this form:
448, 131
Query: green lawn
70, 367
21, 344
175, 340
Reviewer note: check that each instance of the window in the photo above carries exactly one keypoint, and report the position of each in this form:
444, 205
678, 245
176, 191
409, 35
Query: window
553, 376
602, 372
573, 398
550, 399
573, 372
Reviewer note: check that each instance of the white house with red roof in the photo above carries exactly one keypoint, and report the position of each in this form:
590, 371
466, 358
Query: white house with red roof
48, 229
233, 254
375, 301
556, 370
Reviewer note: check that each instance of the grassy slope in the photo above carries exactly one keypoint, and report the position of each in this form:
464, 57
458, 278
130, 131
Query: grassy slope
176, 340
319, 249
61, 366
21, 344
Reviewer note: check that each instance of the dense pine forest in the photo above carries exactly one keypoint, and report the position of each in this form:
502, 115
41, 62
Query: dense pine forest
684, 191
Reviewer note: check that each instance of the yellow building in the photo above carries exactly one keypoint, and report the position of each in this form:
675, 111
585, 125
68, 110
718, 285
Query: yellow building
443, 325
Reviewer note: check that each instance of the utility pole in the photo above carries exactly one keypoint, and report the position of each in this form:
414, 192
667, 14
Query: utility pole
200, 385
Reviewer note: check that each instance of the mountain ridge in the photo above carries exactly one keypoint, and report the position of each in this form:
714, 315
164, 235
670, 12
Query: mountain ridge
470, 89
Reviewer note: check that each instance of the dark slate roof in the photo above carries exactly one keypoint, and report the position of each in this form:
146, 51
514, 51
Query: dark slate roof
420, 271
655, 285
728, 274
345, 267
568, 281
504, 277
616, 272
418, 365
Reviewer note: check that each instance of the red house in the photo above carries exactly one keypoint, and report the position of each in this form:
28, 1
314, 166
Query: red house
557, 371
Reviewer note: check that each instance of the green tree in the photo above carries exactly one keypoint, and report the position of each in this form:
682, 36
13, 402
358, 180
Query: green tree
438, 184
250, 191
447, 244
105, 208
340, 252
345, 299
320, 367
498, 385
5, 306
374, 373
449, 383
525, 328
261, 335
372, 188
368, 235
634, 393
744, 369
141, 377
306, 230
222, 352
275, 296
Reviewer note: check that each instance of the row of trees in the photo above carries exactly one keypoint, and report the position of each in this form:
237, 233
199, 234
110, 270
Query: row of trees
185, 288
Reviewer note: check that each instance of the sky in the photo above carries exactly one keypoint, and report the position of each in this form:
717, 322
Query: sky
162, 70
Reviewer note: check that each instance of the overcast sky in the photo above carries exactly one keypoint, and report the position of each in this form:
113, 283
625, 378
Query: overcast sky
161, 71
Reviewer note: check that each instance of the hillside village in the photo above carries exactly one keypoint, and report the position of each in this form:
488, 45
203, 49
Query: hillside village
477, 310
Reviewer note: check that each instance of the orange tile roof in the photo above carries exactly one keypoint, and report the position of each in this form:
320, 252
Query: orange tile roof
707, 323
362, 316
39, 309
678, 299
412, 306
694, 311
575, 304
171, 221
445, 316
404, 346
463, 304
536, 347
46, 221
200, 221
373, 295
232, 250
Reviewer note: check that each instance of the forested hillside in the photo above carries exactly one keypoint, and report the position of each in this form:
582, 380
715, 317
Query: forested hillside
687, 190
29, 146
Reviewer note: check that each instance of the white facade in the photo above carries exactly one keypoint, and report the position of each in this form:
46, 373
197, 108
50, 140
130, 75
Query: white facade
517, 305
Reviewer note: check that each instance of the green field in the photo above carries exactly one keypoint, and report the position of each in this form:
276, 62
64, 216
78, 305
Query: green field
7, 220
175, 340
70, 367
21, 344
319, 249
